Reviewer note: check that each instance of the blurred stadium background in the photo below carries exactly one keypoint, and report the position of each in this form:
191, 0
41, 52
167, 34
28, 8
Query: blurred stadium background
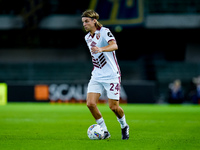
43, 55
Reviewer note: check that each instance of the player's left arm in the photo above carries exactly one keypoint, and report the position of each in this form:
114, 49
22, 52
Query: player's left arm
112, 46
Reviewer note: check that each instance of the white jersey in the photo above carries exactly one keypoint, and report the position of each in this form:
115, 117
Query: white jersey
105, 64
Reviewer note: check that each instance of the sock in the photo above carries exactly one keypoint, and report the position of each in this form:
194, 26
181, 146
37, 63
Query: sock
122, 122
102, 123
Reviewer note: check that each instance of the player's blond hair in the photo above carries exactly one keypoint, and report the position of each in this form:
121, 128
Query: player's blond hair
93, 15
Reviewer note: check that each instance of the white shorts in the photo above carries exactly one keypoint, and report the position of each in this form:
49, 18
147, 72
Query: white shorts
112, 87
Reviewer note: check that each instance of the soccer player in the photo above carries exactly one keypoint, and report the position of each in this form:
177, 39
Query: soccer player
106, 73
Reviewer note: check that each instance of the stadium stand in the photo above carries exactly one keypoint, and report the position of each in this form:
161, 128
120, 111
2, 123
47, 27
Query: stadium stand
172, 6
59, 72
168, 71
44, 72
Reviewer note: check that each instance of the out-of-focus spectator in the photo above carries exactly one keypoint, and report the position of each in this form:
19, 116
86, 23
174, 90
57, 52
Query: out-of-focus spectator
175, 94
195, 94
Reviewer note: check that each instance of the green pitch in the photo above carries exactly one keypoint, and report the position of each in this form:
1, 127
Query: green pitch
34, 126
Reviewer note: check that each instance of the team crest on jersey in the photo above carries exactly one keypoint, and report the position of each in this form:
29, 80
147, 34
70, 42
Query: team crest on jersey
98, 36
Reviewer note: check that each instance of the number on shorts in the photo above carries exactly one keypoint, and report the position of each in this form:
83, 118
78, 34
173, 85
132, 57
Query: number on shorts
117, 87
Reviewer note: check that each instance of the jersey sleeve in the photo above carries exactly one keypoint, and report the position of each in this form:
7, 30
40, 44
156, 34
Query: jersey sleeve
108, 36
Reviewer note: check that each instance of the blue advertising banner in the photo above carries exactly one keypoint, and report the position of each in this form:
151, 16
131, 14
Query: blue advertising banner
119, 12
130, 92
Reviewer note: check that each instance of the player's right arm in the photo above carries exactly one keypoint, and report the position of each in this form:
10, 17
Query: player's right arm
112, 46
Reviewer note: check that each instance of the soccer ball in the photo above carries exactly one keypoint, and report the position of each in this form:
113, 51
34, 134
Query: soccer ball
95, 132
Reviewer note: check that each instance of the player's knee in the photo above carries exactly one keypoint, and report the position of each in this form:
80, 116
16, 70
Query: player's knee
113, 108
91, 105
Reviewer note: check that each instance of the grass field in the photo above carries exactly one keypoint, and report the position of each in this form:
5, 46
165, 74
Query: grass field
27, 126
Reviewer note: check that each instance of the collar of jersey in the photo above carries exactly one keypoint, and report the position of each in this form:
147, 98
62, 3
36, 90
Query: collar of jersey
98, 29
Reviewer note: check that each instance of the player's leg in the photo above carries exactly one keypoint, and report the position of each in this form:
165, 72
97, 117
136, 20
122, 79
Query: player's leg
113, 93
92, 100
119, 112
114, 106
94, 92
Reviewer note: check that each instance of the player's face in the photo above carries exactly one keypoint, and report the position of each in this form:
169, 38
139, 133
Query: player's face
88, 23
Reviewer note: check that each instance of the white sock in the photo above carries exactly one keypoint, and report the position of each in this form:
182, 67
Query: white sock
122, 122
102, 123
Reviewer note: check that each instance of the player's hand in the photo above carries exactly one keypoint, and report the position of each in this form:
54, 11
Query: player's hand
96, 50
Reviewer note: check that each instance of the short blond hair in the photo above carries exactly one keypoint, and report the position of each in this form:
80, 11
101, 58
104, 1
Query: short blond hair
93, 15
